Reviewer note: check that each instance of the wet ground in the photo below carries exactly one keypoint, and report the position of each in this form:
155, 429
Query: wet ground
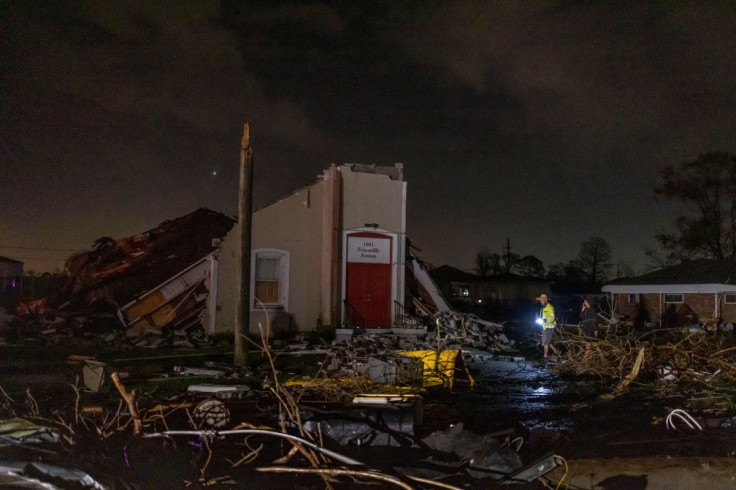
553, 415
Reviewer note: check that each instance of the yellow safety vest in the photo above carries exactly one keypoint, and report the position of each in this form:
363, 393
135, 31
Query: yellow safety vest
547, 314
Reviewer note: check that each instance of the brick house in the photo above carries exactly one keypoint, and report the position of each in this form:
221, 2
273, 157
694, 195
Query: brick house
702, 291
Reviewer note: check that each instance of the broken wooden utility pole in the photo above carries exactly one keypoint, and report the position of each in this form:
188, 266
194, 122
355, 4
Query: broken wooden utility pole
245, 212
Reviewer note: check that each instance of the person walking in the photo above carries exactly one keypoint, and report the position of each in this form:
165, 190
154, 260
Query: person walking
546, 319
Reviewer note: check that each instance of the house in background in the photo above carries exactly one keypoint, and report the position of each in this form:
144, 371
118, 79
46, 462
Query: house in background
458, 286
333, 253
11, 274
511, 290
506, 290
695, 291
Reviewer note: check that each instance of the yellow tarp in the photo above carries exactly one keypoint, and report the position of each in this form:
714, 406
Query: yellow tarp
442, 371
448, 371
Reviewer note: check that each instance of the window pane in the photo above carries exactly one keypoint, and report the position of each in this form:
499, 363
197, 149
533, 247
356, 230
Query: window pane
267, 291
267, 269
729, 298
270, 278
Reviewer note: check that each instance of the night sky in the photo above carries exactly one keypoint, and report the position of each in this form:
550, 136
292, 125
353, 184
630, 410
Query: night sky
542, 122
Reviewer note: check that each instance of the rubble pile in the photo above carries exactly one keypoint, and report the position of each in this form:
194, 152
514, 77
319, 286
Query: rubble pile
478, 340
51, 326
116, 288
98, 323
455, 331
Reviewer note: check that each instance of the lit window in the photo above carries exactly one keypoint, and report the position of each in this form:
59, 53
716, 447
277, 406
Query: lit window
674, 298
270, 277
464, 292
729, 299
267, 279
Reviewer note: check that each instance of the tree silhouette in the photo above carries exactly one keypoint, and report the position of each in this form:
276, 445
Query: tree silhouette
707, 188
486, 263
529, 266
594, 260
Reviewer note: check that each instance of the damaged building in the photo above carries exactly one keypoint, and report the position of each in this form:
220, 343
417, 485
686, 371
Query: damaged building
332, 253
156, 279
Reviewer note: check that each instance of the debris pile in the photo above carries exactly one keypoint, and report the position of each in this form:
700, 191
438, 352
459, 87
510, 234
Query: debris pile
455, 330
480, 455
152, 287
214, 418
101, 327
671, 355
382, 358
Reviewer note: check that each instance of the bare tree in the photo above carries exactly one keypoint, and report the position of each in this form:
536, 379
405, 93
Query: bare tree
566, 277
529, 266
707, 188
594, 260
487, 263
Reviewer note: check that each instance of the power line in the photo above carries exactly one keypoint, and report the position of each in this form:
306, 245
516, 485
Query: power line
44, 249
38, 258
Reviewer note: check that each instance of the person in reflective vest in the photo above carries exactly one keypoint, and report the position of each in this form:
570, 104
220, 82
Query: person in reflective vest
546, 320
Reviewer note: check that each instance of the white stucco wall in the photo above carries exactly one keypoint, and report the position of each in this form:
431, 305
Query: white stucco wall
372, 198
292, 224
295, 223
376, 199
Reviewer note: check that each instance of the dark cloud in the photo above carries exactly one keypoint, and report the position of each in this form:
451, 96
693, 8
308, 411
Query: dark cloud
544, 123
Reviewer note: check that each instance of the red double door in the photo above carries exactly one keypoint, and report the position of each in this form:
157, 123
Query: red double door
368, 277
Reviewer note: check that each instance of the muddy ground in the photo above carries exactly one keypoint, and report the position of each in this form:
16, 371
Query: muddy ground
621, 442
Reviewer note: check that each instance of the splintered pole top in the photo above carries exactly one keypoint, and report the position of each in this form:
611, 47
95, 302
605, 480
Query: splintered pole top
245, 142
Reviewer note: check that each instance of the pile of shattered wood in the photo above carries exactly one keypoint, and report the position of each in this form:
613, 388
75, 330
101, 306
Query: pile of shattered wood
99, 325
667, 355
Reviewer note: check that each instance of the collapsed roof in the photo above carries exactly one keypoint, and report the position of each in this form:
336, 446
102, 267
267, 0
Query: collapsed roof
118, 271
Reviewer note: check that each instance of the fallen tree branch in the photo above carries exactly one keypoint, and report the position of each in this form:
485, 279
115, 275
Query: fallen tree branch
433, 482
129, 397
212, 433
631, 376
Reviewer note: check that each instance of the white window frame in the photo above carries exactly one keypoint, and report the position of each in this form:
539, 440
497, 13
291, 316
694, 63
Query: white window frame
726, 300
672, 301
284, 262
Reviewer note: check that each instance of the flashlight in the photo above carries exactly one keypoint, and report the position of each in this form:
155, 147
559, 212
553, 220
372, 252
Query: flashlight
539, 322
